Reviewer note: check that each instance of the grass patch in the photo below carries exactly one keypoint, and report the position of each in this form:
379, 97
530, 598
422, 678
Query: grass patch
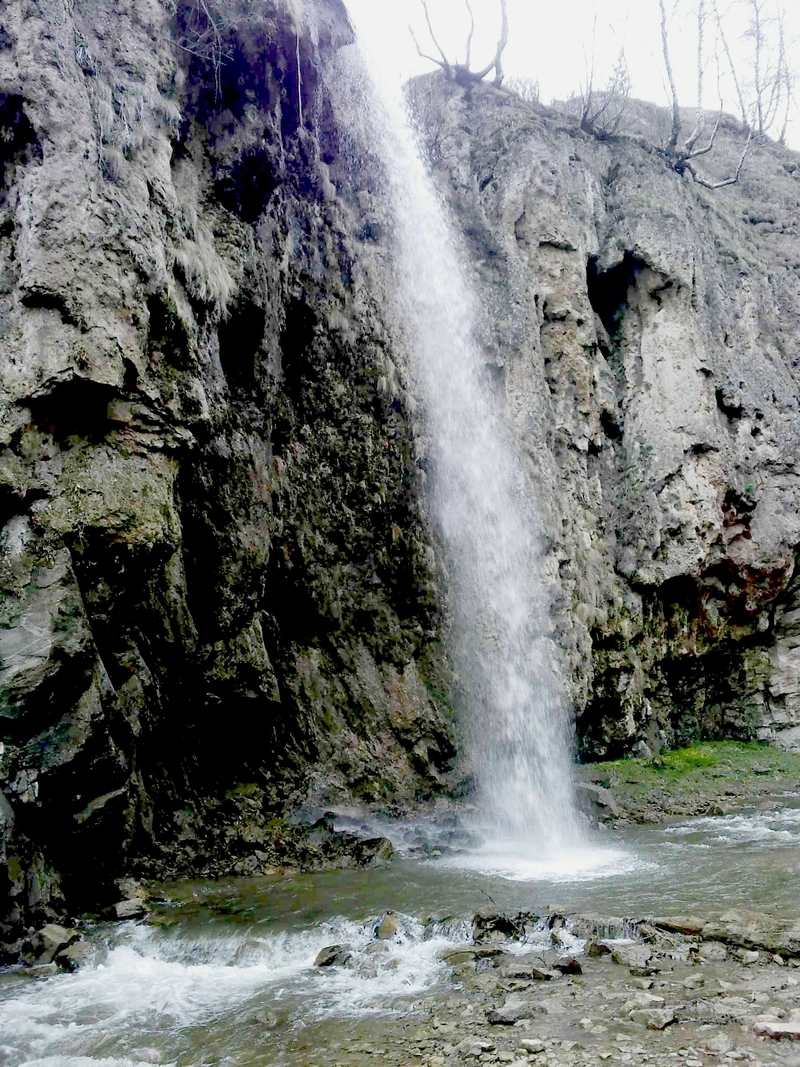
686, 777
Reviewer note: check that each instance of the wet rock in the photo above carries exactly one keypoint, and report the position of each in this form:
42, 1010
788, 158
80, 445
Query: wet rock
271, 1020
632, 956
488, 923
132, 908
41, 970
688, 925
72, 957
334, 956
569, 965
595, 801
45, 944
596, 949
387, 927
653, 1018
372, 852
642, 1000
513, 1011
713, 952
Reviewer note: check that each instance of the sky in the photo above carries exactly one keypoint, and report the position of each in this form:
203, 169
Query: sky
552, 43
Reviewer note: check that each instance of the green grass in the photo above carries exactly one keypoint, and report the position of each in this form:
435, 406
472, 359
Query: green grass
697, 773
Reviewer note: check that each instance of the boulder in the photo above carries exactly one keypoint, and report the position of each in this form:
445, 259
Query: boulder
771, 1026
634, 956
653, 1018
755, 930
133, 908
595, 801
513, 1011
387, 927
595, 949
642, 1000
334, 956
568, 965
72, 957
45, 944
490, 924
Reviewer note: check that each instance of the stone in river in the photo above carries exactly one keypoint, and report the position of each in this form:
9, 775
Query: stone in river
513, 1011
387, 927
597, 948
569, 965
334, 956
653, 1018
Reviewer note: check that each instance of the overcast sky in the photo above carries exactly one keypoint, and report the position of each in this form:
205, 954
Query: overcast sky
552, 42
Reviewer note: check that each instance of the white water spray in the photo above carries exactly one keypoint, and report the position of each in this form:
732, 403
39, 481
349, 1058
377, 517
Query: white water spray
481, 501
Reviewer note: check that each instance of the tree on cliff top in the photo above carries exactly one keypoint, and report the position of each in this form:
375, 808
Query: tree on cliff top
761, 74
462, 72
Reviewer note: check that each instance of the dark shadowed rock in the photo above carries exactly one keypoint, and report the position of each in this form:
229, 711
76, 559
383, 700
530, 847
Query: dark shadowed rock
334, 956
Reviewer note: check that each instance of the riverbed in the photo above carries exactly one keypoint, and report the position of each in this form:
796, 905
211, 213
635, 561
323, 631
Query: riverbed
223, 973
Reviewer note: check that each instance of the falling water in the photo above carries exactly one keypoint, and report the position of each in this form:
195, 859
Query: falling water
482, 503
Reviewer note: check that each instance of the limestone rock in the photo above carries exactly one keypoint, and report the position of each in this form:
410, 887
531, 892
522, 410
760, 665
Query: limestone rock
47, 943
387, 927
513, 1011
334, 956
653, 1018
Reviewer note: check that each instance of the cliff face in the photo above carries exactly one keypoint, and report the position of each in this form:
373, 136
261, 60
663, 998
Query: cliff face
215, 585
648, 335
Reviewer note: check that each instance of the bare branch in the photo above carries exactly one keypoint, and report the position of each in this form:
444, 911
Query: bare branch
694, 136
471, 32
734, 178
731, 65
710, 146
424, 55
497, 63
676, 111
445, 64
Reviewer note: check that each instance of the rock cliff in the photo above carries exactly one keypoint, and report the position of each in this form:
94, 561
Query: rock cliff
647, 332
218, 587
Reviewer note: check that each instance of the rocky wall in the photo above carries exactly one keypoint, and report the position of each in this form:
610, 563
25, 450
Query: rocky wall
216, 594
647, 334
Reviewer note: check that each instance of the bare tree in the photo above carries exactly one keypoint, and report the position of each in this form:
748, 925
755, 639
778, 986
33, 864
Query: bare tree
462, 72
682, 158
603, 111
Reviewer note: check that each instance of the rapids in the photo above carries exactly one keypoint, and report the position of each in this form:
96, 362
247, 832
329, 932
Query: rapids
224, 972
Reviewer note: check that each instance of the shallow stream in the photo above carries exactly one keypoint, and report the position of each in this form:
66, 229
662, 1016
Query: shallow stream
224, 973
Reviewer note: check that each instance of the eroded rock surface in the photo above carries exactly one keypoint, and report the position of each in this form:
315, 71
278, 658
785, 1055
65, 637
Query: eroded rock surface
646, 333
216, 583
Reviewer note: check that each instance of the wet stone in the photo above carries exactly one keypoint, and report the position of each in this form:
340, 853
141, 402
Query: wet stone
334, 956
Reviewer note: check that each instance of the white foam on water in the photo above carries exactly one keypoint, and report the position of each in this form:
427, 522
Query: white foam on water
160, 983
773, 827
522, 862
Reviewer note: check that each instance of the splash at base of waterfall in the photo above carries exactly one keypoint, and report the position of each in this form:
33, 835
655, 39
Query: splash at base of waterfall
524, 861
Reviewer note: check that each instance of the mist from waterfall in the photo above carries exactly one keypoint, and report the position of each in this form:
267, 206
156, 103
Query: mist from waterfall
483, 506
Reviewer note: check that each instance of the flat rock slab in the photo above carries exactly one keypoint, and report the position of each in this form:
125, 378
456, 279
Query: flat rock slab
513, 1011
755, 930
689, 925
769, 1026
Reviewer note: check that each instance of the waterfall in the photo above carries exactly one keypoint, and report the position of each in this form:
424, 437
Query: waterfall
483, 506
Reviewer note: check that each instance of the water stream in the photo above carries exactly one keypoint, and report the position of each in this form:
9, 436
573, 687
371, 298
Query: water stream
483, 505
224, 974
